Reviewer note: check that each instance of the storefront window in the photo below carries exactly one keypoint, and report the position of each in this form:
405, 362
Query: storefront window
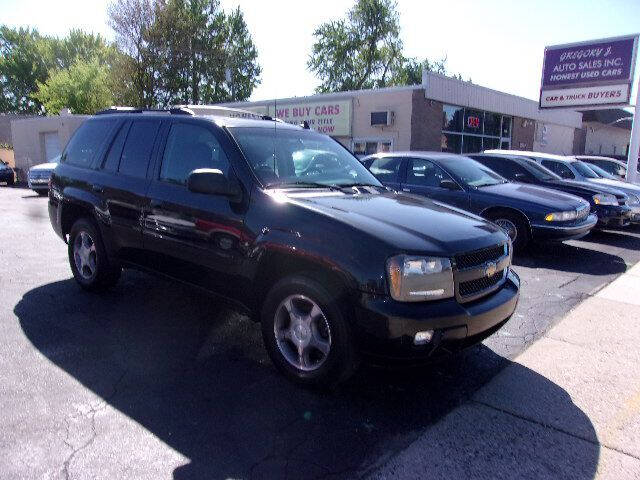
467, 130
451, 143
452, 118
506, 127
471, 144
473, 121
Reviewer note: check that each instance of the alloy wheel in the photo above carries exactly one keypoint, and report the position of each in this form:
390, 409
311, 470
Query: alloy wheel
84, 255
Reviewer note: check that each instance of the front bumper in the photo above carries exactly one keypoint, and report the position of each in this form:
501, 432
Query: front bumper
614, 216
38, 184
559, 232
385, 328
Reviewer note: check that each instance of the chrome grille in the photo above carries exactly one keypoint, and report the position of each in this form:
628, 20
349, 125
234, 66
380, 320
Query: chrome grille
479, 257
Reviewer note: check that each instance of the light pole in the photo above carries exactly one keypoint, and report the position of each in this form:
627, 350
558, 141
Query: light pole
634, 145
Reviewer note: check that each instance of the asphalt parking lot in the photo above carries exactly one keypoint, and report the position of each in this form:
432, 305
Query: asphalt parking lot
156, 380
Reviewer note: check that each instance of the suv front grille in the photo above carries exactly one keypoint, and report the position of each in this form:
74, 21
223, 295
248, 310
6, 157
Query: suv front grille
478, 285
480, 272
480, 257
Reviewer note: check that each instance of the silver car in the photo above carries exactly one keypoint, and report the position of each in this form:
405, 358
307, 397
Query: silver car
39, 175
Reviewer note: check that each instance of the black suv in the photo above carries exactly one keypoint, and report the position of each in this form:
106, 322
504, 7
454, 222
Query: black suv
289, 226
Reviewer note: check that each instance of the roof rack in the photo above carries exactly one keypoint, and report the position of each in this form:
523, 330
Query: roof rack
173, 110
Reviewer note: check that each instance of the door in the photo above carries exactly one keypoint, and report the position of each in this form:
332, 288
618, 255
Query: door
387, 170
194, 236
51, 145
123, 184
426, 178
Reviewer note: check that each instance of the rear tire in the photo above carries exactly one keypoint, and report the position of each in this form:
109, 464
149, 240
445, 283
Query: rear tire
306, 333
514, 226
88, 259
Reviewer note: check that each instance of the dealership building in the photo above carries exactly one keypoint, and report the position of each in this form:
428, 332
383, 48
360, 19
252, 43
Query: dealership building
441, 114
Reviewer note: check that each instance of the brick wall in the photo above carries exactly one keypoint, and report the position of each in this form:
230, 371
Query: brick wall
426, 122
522, 134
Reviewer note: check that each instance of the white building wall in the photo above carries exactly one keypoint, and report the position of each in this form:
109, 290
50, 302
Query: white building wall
606, 140
557, 139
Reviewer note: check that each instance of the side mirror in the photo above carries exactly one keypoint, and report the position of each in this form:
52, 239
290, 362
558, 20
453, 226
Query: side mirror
212, 181
449, 184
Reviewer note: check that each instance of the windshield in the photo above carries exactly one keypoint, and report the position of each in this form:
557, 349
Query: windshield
583, 169
540, 172
600, 172
472, 173
283, 156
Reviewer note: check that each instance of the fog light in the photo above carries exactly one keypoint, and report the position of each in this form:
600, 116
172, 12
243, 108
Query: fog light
422, 338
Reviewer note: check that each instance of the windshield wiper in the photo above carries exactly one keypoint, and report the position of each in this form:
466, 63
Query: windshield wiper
301, 184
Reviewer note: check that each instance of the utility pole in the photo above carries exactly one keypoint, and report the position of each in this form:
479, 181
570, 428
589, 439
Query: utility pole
634, 144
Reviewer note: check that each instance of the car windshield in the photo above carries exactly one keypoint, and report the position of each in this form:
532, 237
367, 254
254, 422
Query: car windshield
540, 172
583, 169
600, 172
284, 156
471, 172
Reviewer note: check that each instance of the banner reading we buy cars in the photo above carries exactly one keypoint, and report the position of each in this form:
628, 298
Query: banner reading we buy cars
598, 72
331, 117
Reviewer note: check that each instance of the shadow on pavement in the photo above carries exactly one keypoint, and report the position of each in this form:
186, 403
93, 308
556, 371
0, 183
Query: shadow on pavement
196, 376
570, 258
624, 238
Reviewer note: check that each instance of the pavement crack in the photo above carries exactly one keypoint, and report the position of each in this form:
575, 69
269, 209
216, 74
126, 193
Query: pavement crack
552, 427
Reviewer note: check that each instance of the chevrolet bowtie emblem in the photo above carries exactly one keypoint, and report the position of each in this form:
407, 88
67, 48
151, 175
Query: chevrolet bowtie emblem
490, 269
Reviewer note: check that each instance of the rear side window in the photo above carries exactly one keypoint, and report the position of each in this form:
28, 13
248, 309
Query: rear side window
87, 142
137, 148
424, 173
190, 147
558, 168
386, 169
113, 157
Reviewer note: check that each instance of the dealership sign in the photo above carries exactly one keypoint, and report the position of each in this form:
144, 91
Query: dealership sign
598, 72
332, 118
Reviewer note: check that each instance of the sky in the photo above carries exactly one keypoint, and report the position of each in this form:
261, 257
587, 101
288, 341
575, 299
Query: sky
495, 43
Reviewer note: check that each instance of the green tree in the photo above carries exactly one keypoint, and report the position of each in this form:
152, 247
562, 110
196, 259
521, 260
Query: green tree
25, 59
359, 52
80, 45
83, 88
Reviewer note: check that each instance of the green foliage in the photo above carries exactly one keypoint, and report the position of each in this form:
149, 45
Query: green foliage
25, 59
184, 51
83, 88
365, 51
358, 52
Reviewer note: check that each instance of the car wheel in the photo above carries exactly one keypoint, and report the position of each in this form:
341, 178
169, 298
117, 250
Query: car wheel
42, 193
11, 182
88, 259
306, 334
514, 226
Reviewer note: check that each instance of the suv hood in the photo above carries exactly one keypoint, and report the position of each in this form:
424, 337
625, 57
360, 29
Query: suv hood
546, 198
408, 223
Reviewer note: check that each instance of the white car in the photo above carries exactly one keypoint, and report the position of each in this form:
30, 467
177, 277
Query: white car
39, 175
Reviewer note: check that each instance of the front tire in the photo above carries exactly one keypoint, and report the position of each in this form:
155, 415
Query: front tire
42, 193
514, 226
306, 334
88, 259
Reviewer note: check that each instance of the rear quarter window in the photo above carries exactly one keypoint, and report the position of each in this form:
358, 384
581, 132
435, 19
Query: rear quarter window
87, 142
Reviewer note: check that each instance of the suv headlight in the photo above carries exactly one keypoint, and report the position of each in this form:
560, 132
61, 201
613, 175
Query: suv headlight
416, 279
561, 216
605, 199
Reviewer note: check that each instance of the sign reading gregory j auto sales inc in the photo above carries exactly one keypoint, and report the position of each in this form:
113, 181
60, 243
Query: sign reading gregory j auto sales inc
598, 72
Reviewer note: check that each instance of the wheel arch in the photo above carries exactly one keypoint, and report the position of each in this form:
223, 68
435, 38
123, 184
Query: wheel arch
490, 212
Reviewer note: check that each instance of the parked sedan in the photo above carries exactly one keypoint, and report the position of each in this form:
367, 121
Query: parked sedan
39, 175
630, 189
524, 212
610, 165
603, 199
6, 174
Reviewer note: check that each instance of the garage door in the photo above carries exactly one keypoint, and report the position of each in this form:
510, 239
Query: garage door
51, 145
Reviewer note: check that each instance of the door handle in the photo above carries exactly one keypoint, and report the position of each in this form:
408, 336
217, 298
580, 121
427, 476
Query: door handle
97, 188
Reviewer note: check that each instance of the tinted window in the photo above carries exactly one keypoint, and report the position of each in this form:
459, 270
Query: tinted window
190, 147
87, 141
583, 170
425, 173
471, 144
137, 149
502, 166
471, 172
113, 157
558, 168
452, 118
539, 171
386, 169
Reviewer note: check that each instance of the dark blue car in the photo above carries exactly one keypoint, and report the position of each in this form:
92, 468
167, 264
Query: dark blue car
525, 212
